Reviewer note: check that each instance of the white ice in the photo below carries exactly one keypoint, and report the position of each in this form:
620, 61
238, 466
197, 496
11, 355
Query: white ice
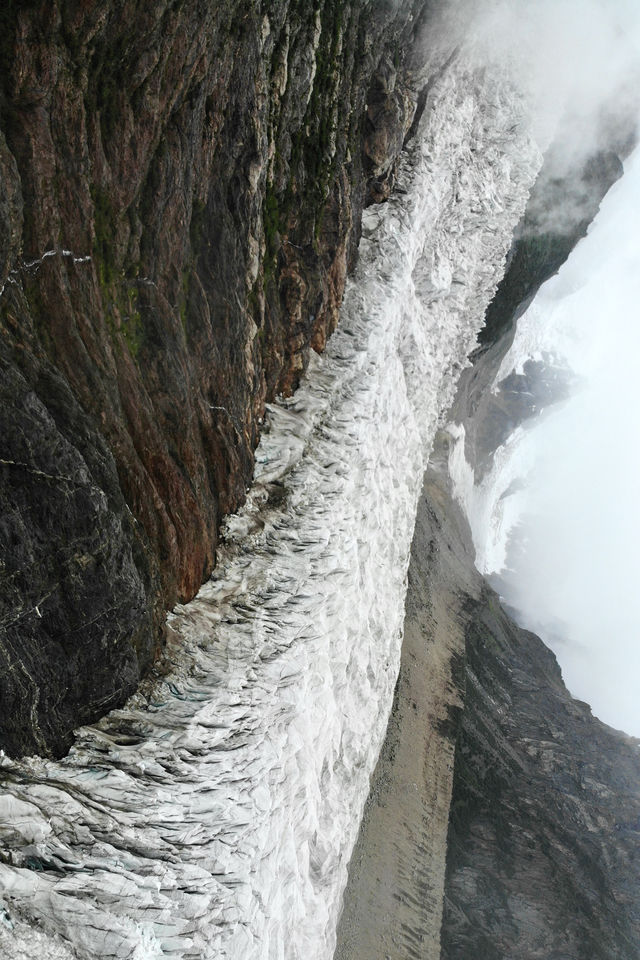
215, 818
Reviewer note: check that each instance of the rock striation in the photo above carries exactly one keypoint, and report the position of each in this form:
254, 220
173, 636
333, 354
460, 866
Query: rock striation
232, 788
393, 901
544, 821
181, 188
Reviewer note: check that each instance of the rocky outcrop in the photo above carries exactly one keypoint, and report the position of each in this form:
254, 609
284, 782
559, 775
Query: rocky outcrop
180, 196
563, 203
545, 815
546, 799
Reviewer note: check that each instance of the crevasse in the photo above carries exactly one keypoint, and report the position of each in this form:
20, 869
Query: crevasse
214, 815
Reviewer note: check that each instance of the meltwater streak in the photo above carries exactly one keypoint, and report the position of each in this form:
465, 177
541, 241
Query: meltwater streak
215, 818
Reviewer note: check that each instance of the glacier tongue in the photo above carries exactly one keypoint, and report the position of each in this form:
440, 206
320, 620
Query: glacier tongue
214, 815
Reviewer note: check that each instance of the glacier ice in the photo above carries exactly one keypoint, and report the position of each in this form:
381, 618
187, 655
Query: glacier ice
214, 815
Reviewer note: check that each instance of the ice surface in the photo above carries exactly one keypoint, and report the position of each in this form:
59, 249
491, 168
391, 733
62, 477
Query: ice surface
215, 817
493, 506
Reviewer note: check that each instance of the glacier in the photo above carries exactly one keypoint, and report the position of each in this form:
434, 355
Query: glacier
214, 815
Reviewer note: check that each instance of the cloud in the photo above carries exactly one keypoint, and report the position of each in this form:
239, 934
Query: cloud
579, 516
577, 61
575, 556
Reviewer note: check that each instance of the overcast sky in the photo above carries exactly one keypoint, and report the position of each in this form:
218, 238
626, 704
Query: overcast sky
572, 57
578, 580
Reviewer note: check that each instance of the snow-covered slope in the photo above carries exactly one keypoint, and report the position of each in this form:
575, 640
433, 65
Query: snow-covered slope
215, 816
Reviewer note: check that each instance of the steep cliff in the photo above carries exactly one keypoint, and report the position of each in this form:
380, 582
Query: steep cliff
181, 188
544, 822
562, 205
394, 897
563, 202
545, 816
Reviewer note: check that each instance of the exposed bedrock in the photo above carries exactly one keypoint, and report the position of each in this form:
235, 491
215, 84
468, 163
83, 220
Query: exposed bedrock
563, 203
545, 811
181, 188
545, 817
545, 800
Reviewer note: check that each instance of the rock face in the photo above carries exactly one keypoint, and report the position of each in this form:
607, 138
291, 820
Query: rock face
562, 205
180, 196
545, 816
559, 211
545, 810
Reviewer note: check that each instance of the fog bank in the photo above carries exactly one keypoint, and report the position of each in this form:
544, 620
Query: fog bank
572, 532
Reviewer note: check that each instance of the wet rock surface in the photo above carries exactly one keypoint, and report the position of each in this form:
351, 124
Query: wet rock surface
180, 197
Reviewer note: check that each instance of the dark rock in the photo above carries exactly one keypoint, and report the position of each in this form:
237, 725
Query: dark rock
392, 904
516, 399
74, 617
545, 814
546, 799
562, 204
